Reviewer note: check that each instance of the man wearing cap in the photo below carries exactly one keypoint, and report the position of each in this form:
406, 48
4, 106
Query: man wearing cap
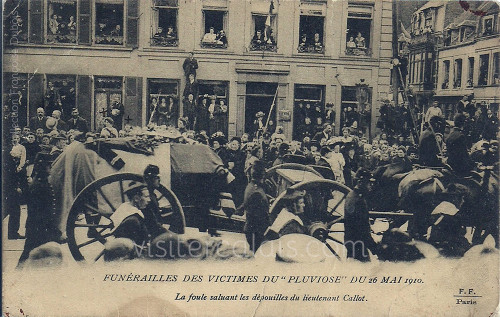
59, 142
128, 218
456, 144
357, 237
256, 207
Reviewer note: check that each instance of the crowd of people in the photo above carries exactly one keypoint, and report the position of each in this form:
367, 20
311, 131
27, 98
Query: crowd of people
472, 141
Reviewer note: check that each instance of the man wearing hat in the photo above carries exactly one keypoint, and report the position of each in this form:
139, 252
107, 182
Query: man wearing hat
152, 211
357, 237
456, 144
256, 207
259, 124
59, 142
128, 218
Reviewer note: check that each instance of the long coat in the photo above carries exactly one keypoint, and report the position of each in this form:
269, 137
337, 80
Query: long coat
428, 149
256, 208
458, 156
357, 236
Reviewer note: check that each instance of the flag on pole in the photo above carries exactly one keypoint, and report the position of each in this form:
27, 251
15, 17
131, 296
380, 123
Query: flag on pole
268, 20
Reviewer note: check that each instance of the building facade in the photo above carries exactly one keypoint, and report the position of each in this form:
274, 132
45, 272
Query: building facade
97, 53
469, 60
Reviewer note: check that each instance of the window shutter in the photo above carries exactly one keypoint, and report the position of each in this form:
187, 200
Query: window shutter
35, 93
84, 99
133, 23
133, 100
36, 22
84, 34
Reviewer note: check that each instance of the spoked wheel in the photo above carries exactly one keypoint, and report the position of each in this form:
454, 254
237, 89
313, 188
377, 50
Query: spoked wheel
274, 184
89, 226
324, 211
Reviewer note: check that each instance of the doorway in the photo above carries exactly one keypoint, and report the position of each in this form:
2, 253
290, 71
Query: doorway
259, 97
108, 90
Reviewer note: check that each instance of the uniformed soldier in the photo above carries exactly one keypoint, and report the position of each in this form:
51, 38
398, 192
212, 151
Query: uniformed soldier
256, 207
357, 237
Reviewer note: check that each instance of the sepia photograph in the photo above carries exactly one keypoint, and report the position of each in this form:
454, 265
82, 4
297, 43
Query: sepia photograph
250, 158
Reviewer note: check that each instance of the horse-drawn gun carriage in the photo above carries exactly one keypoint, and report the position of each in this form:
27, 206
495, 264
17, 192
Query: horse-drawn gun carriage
90, 181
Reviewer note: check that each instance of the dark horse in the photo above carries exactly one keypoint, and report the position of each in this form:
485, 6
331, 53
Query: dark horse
420, 191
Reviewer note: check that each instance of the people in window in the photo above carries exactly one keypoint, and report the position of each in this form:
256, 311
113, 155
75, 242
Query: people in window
171, 35
303, 41
72, 25
360, 41
210, 37
221, 38
351, 43
54, 24
117, 31
318, 45
258, 38
159, 33
270, 37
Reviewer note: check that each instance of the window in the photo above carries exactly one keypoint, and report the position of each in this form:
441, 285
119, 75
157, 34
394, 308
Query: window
309, 110
164, 30
214, 28
264, 35
311, 27
109, 18
15, 27
61, 21
470, 76
457, 74
496, 68
359, 25
60, 94
488, 24
446, 74
356, 108
108, 90
484, 63
163, 93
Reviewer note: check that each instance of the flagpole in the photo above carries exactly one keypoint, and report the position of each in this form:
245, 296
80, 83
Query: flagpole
271, 109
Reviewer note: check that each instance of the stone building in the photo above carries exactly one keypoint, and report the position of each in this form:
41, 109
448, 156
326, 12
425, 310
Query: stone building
99, 53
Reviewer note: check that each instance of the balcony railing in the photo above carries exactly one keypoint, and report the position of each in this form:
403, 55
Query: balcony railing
215, 45
109, 40
59, 38
270, 47
311, 49
164, 41
358, 51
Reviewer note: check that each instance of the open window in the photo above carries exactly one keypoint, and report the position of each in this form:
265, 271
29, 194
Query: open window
61, 21
457, 74
264, 34
164, 26
214, 28
311, 34
109, 17
488, 25
484, 63
359, 30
